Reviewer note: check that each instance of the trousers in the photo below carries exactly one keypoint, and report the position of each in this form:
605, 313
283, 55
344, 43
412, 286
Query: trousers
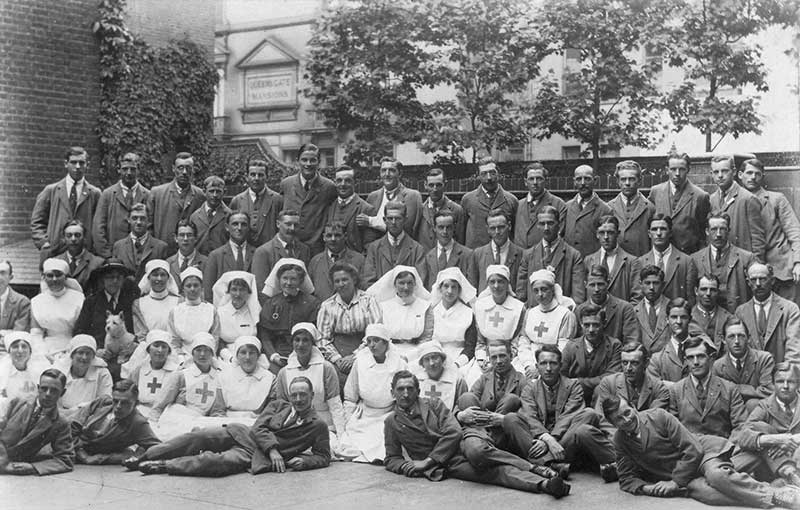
722, 485
206, 452
502, 475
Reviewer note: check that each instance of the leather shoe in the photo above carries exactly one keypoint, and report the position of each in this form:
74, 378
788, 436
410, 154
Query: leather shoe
131, 463
556, 487
153, 467
609, 472
544, 471
562, 468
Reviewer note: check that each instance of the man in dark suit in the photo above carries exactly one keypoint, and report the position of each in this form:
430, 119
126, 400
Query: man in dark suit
707, 315
703, 402
140, 246
592, 356
669, 364
526, 225
553, 253
15, 309
235, 255
103, 431
396, 248
260, 203
435, 203
447, 252
81, 261
276, 442
632, 209
747, 228
211, 219
174, 201
430, 436
71, 198
618, 261
633, 384
562, 429
749, 369
685, 203
680, 272
310, 194
27, 427
115, 294
499, 250
478, 203
393, 190
619, 316
774, 322
651, 312
727, 262
284, 244
187, 255
584, 211
783, 229
111, 217
350, 210
336, 250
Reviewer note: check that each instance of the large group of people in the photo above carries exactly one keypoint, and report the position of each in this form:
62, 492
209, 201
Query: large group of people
652, 340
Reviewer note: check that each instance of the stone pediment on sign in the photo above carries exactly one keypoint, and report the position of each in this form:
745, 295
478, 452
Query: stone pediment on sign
268, 53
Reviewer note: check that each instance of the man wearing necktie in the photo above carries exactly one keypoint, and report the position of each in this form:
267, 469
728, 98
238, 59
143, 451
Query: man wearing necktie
669, 364
285, 241
633, 384
335, 251
447, 252
28, 427
652, 310
632, 209
235, 255
611, 255
140, 246
583, 214
749, 369
350, 210
499, 248
81, 261
211, 219
774, 322
478, 203
187, 255
526, 229
397, 247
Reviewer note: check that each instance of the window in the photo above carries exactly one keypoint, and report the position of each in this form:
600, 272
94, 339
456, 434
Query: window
516, 152
571, 152
571, 73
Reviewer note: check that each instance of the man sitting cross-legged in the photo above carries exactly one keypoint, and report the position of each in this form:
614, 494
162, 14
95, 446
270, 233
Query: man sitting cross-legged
104, 431
430, 435
278, 440
657, 456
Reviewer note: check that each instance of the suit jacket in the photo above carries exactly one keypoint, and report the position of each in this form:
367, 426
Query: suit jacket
379, 260
747, 224
667, 451
175, 268
133, 430
723, 413
680, 278
526, 231
653, 341
312, 205
620, 281
476, 205
712, 326
633, 224
153, 249
653, 394
269, 253
620, 322
689, 216
482, 257
665, 365
568, 267
460, 257
732, 273
569, 401
782, 338
580, 224
165, 209
413, 201
210, 236
111, 217
484, 389
222, 260
766, 418
263, 222
85, 264
355, 236
426, 235
755, 379
576, 363
92, 319
782, 232
15, 313
52, 211
51, 429
320, 266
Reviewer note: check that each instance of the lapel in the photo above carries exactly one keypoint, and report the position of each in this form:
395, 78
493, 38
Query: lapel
313, 189
641, 208
403, 250
622, 388
748, 314
62, 196
561, 398
202, 217
775, 313
84, 193
611, 310
559, 250
40, 429
619, 262
455, 255
147, 249
541, 400
99, 416
644, 320
691, 395
219, 216
672, 356
673, 266
748, 366
599, 357
795, 418
349, 211
385, 249
119, 196
686, 197
512, 259
128, 252
733, 260
588, 209
714, 390
644, 395
705, 260
81, 262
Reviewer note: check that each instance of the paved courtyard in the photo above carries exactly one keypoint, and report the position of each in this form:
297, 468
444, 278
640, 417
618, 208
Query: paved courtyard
343, 485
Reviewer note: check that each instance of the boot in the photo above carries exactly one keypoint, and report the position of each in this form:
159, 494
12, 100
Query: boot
556, 487
562, 468
544, 471
609, 472
153, 467
132, 463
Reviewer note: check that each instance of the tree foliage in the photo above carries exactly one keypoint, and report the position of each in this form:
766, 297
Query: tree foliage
608, 97
712, 45
154, 101
369, 61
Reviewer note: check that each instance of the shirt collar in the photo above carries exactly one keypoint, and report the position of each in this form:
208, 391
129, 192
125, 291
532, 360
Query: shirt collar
4, 296
142, 239
487, 193
396, 240
346, 201
666, 253
190, 257
109, 296
235, 247
500, 248
448, 247
253, 195
705, 381
766, 302
71, 182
